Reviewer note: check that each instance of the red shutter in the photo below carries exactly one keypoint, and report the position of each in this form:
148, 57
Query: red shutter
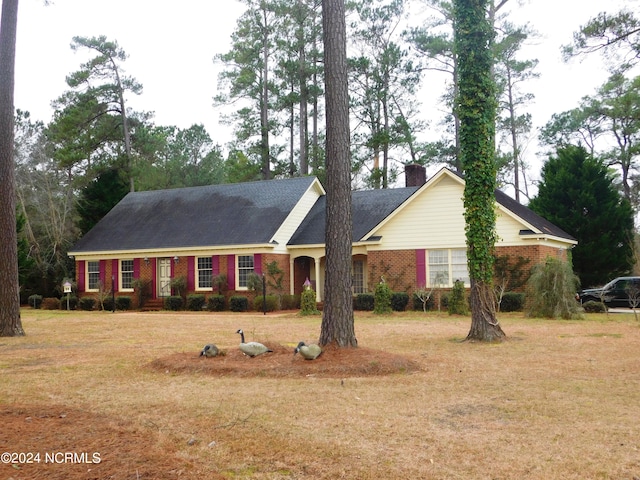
257, 264
114, 272
81, 269
421, 268
103, 273
191, 273
231, 272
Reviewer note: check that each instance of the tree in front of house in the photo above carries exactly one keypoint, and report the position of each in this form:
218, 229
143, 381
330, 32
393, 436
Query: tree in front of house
10, 322
476, 107
578, 194
337, 316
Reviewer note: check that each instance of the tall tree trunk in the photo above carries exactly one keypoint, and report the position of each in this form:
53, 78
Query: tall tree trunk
337, 316
264, 113
476, 105
10, 322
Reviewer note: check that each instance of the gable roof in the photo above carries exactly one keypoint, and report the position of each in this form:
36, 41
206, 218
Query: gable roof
213, 215
529, 216
368, 209
522, 212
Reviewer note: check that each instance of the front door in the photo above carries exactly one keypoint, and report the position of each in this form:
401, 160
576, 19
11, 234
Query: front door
164, 277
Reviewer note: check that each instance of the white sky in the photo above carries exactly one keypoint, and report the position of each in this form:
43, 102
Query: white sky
171, 45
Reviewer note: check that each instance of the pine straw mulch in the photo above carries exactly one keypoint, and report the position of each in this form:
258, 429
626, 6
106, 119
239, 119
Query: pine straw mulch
334, 362
104, 447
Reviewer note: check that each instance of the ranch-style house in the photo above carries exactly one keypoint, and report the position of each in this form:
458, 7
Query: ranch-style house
412, 236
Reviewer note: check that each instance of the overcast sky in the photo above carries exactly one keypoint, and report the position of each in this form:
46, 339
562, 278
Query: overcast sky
171, 45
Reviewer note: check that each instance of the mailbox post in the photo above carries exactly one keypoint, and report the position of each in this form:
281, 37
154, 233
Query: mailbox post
66, 288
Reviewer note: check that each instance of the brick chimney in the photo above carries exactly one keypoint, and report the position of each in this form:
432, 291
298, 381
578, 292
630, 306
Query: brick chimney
415, 175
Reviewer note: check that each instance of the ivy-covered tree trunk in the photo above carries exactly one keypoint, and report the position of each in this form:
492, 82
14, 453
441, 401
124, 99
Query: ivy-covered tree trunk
476, 106
337, 316
10, 323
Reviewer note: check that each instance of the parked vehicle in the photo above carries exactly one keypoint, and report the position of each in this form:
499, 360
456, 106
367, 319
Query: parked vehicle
620, 292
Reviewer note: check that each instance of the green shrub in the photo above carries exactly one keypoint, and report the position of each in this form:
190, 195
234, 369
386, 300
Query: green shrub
108, 305
551, 291
382, 298
512, 302
364, 301
216, 303
272, 303
399, 301
35, 301
123, 303
457, 304
594, 307
196, 302
308, 304
290, 302
173, 303
50, 303
238, 303
87, 303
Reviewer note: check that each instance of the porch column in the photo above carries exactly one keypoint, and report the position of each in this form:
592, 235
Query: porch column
319, 286
291, 275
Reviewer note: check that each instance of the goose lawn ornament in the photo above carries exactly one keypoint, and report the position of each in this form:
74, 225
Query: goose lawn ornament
308, 352
252, 349
209, 350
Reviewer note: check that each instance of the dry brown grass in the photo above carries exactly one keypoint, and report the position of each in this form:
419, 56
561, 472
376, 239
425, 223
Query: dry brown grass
558, 400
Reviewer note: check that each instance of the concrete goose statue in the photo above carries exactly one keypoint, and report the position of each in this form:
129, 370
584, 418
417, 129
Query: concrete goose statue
308, 352
209, 350
252, 349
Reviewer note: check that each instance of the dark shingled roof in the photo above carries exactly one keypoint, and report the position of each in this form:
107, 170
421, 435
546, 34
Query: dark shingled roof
230, 214
368, 207
529, 216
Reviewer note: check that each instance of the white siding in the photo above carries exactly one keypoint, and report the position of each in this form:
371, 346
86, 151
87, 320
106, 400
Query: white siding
434, 219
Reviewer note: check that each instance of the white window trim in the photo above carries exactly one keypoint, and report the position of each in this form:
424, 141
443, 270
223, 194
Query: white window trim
87, 282
238, 287
196, 273
451, 279
120, 288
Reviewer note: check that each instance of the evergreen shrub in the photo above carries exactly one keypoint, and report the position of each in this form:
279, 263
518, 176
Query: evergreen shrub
238, 303
216, 303
87, 303
272, 303
512, 302
174, 303
399, 301
364, 301
195, 302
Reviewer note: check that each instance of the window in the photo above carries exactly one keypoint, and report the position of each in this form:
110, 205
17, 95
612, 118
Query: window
358, 276
438, 267
245, 268
205, 270
459, 270
126, 274
93, 275
447, 266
